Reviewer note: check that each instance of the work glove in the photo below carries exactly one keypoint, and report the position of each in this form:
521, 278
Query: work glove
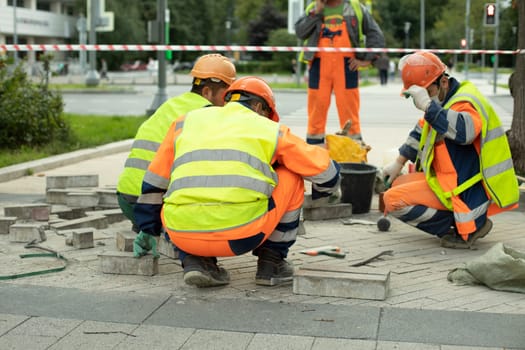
143, 243
420, 97
320, 199
391, 171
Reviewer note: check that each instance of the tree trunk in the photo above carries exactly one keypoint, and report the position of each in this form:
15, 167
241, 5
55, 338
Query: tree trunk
517, 86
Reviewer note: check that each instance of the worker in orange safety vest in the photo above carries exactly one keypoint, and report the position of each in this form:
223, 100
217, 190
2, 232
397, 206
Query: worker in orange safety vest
462, 154
229, 180
336, 24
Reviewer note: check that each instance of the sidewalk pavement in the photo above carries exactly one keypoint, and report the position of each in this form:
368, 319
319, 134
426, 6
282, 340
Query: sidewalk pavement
83, 308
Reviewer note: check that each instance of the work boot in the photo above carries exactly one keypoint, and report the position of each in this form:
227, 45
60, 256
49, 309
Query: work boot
202, 272
272, 269
455, 241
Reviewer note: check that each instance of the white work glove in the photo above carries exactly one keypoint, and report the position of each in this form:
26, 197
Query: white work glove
391, 171
420, 96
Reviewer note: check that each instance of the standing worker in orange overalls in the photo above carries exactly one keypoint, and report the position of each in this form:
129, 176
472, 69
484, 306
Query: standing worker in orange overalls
336, 24
229, 180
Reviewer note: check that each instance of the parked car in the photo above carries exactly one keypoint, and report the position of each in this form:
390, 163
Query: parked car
137, 65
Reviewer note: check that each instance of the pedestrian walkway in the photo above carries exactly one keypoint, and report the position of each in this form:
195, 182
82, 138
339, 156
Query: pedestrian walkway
82, 308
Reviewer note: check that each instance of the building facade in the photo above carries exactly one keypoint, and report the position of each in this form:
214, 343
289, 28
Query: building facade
37, 22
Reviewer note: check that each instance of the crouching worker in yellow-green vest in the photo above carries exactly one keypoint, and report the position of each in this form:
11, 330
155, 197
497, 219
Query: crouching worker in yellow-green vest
230, 180
465, 166
212, 75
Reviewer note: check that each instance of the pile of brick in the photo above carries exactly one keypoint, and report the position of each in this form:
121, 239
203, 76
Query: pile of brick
77, 208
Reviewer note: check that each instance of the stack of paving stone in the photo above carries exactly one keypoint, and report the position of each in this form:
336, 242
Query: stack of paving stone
77, 209
74, 206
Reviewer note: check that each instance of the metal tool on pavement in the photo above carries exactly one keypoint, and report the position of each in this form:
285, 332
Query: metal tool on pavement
369, 260
357, 222
331, 250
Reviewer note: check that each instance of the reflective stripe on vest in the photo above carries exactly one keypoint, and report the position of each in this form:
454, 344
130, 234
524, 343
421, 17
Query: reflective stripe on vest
223, 180
497, 169
148, 138
497, 172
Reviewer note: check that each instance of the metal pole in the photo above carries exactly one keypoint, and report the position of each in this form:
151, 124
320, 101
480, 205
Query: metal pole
407, 31
92, 77
298, 66
467, 36
422, 24
161, 96
82, 29
15, 37
483, 55
496, 34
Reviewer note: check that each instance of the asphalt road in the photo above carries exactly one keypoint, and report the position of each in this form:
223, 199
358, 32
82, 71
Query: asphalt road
380, 105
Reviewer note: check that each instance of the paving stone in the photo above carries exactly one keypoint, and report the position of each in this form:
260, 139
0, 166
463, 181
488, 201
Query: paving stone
124, 240
83, 238
70, 213
341, 281
65, 181
328, 212
37, 211
26, 232
123, 263
95, 221
166, 248
82, 199
107, 198
57, 195
5, 222
113, 215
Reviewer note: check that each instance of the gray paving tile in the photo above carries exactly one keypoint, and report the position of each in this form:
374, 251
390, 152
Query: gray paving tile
77, 304
281, 342
389, 345
18, 342
343, 344
155, 337
217, 340
8, 322
452, 327
91, 335
269, 317
455, 347
45, 327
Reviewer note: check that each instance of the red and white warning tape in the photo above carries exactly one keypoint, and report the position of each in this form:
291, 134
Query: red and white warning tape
111, 47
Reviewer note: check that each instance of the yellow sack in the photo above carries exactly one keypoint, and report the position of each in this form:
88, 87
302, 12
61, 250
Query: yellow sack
344, 149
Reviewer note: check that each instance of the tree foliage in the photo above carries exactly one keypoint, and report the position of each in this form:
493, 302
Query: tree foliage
281, 37
204, 22
31, 113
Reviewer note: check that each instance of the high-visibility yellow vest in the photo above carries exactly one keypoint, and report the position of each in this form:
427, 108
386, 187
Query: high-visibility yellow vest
497, 170
222, 177
149, 137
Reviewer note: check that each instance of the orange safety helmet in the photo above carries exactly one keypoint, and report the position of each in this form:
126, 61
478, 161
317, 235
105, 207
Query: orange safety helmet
252, 86
421, 68
216, 66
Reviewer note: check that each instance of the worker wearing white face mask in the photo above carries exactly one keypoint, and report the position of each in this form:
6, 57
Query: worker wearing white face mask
465, 171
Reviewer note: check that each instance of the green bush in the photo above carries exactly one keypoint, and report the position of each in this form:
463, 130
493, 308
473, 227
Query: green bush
30, 114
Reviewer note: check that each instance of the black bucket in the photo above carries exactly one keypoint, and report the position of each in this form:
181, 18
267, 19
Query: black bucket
357, 185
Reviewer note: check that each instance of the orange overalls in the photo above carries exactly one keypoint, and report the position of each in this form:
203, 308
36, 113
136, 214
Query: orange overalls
329, 71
